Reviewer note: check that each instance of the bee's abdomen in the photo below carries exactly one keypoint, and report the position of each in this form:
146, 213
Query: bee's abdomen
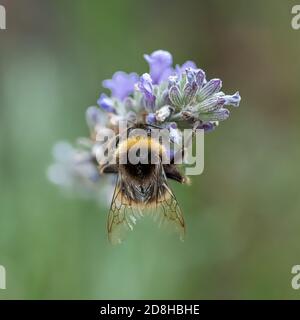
139, 171
139, 182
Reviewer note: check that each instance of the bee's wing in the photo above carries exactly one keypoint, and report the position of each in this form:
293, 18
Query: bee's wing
167, 211
122, 216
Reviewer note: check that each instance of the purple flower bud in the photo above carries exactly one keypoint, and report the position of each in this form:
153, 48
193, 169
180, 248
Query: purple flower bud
190, 75
200, 77
195, 75
208, 126
145, 86
173, 81
151, 118
211, 87
160, 63
189, 92
106, 103
211, 104
175, 96
233, 100
121, 84
219, 115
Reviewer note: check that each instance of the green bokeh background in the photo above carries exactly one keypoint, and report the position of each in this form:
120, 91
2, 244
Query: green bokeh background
242, 213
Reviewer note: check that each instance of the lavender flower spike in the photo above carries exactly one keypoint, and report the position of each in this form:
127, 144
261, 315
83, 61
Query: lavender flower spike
121, 84
160, 63
171, 98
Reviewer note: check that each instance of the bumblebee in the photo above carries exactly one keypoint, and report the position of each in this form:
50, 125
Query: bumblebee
142, 188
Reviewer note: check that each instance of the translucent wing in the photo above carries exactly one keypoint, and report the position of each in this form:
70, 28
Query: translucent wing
122, 216
167, 211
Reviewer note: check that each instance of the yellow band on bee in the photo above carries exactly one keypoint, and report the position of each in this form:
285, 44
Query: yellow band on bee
141, 143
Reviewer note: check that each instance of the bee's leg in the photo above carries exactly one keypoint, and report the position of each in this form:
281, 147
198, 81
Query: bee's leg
173, 173
109, 168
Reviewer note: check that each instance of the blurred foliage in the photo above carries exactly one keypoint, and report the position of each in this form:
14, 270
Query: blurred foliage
242, 213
